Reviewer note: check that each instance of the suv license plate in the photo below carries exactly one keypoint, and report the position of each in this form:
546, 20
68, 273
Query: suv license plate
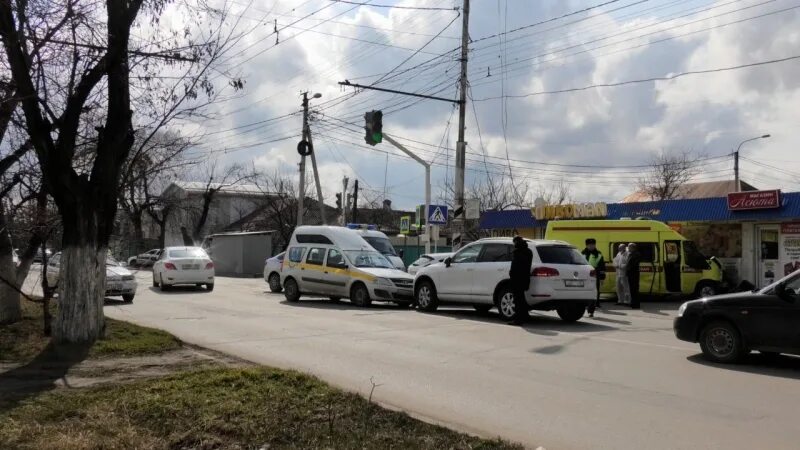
573, 283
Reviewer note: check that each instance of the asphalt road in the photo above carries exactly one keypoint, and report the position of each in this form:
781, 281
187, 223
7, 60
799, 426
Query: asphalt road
618, 381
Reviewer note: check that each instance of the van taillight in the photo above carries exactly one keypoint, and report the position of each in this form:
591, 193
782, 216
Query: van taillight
545, 272
209, 266
593, 273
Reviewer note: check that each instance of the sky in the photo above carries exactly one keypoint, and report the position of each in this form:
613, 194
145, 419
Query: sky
597, 140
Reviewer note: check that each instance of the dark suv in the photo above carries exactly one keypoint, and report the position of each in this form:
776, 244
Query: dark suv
730, 326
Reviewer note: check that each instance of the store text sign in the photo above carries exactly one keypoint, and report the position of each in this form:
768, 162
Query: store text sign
576, 211
743, 201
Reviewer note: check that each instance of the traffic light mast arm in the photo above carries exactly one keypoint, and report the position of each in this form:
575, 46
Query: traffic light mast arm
416, 158
392, 91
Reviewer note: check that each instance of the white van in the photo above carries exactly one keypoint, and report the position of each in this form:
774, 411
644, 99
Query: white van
338, 263
380, 242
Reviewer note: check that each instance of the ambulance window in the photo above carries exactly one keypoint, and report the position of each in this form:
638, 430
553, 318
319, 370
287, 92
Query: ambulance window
694, 258
296, 254
647, 250
316, 256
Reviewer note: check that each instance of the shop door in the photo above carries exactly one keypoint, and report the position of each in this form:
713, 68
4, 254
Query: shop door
767, 264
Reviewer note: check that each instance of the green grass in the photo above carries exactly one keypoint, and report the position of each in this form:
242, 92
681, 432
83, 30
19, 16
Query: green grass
25, 339
220, 409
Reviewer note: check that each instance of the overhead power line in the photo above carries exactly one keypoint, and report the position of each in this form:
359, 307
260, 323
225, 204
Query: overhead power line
418, 8
644, 80
552, 19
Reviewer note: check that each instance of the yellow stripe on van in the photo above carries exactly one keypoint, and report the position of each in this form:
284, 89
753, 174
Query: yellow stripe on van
352, 273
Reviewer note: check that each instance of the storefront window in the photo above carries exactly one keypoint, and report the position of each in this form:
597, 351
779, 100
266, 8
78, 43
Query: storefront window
723, 240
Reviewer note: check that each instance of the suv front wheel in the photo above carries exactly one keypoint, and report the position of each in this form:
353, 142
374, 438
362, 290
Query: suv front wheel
426, 296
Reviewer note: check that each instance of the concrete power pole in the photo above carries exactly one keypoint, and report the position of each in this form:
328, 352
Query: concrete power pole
345, 181
461, 145
302, 193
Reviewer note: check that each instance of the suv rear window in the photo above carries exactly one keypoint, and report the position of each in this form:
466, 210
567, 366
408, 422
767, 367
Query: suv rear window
560, 254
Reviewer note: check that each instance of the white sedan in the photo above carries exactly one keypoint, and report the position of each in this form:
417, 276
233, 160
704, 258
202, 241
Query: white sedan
119, 280
183, 265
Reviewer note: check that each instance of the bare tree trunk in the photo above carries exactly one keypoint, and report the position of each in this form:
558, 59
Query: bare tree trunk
82, 280
10, 308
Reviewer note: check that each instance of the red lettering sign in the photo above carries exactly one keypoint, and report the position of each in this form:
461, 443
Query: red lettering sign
742, 201
790, 228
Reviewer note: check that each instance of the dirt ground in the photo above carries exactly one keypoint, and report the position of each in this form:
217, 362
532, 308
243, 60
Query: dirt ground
22, 378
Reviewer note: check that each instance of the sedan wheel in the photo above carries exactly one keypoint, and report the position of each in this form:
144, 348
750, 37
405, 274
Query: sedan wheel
161, 284
721, 342
505, 304
426, 297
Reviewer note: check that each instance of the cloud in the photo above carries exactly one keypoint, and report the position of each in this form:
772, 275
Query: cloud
617, 126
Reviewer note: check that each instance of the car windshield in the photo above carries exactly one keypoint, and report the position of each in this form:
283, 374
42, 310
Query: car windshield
381, 244
792, 280
361, 258
191, 252
560, 254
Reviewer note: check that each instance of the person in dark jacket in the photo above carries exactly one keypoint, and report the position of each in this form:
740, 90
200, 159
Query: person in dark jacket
520, 274
596, 260
632, 268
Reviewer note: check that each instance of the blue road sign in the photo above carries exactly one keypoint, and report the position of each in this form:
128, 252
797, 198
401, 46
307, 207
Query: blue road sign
437, 214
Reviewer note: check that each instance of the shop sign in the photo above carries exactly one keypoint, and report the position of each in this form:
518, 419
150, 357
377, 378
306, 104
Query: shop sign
572, 211
743, 201
790, 247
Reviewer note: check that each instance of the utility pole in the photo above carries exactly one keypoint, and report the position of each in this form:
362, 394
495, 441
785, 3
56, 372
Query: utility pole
309, 146
461, 145
355, 202
344, 203
736, 181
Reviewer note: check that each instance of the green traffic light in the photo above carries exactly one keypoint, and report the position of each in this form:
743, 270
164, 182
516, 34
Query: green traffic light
377, 137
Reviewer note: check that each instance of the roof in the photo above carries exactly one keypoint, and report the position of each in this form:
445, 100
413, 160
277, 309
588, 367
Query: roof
706, 189
198, 187
685, 210
344, 238
705, 209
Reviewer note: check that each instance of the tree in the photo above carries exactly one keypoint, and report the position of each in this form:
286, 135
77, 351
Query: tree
216, 179
71, 65
668, 172
159, 161
557, 193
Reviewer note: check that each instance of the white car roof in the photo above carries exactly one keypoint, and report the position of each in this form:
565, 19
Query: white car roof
436, 255
342, 237
371, 233
183, 247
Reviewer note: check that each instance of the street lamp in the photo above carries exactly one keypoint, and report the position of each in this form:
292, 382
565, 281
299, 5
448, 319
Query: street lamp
737, 182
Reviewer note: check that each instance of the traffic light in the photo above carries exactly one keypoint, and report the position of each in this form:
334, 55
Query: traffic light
373, 127
338, 200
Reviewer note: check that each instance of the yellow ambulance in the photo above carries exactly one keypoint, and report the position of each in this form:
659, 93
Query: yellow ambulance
671, 264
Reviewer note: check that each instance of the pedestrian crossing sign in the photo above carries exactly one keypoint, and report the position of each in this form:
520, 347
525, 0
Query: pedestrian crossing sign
437, 215
405, 224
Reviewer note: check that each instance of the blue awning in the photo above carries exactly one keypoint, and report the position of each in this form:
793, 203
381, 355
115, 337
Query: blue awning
689, 210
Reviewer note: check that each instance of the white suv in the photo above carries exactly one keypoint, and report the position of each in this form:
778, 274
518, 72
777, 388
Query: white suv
561, 279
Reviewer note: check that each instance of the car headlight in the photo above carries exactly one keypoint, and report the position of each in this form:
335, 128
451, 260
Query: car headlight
682, 309
384, 282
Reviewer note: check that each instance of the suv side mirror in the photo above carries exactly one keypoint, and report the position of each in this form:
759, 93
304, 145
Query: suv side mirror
448, 261
401, 253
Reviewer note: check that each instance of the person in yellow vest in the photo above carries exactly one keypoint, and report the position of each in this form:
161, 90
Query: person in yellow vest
595, 258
